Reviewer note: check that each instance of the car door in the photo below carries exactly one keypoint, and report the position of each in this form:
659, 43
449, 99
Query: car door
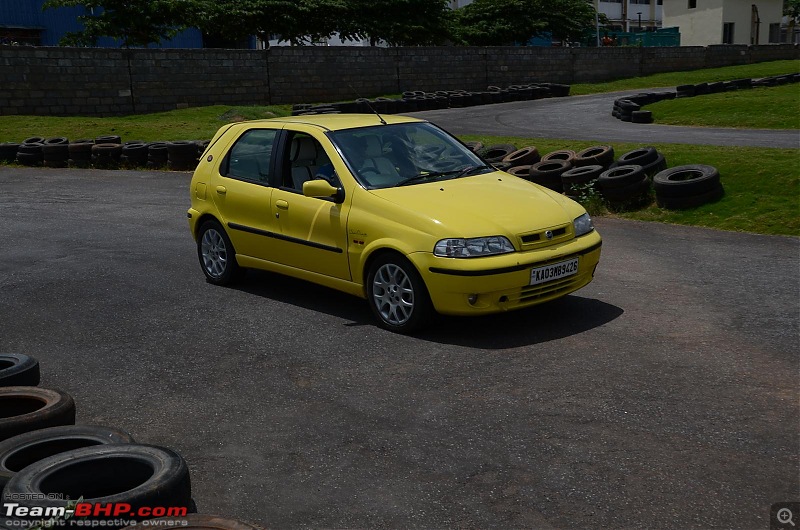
243, 193
313, 231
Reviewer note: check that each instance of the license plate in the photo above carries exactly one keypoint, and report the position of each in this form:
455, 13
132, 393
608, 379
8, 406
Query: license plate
554, 271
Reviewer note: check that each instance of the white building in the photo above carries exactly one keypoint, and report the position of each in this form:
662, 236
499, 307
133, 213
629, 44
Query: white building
707, 22
631, 15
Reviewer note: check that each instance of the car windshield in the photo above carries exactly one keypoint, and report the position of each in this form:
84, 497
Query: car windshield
403, 154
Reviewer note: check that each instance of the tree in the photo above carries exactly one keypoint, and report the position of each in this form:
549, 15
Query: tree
396, 22
133, 22
791, 8
505, 22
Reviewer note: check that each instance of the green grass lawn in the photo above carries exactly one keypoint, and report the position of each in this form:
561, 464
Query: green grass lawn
706, 75
760, 108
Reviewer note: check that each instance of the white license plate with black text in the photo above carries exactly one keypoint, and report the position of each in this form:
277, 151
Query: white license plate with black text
554, 271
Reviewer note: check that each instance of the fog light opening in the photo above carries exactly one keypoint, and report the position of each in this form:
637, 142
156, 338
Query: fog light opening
472, 299
503, 299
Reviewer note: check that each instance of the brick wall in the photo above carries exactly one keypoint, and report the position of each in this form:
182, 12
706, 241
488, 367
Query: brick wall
104, 82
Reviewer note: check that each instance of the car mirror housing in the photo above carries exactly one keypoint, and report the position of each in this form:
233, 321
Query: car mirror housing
322, 189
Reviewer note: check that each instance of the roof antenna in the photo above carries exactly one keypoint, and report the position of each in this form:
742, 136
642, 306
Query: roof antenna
365, 100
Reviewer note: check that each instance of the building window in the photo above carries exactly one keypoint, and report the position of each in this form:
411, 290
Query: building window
692, 4
642, 2
659, 2
775, 33
727, 33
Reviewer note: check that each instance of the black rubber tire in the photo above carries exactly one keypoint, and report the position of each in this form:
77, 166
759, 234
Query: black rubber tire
29, 159
523, 172
693, 201
58, 140
33, 140
20, 451
602, 155
219, 247
567, 155
80, 151
108, 140
523, 157
659, 164
195, 522
18, 369
422, 308
630, 191
474, 146
501, 166
548, 173
686, 181
620, 177
133, 474
638, 157
107, 150
157, 154
55, 152
496, 153
642, 116
579, 177
8, 151
30, 149
626, 105
27, 408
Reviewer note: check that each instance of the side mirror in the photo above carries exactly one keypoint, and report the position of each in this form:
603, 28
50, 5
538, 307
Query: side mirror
322, 189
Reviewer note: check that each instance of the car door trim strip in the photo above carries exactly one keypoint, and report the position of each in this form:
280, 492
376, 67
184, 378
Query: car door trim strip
290, 239
515, 268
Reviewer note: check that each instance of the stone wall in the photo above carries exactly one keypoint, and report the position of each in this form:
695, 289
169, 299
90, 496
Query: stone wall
104, 82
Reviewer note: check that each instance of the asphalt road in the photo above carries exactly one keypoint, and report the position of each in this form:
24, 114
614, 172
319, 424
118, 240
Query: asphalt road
665, 394
589, 118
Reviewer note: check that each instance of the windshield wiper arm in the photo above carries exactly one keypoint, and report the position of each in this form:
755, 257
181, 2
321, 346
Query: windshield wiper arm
470, 170
424, 176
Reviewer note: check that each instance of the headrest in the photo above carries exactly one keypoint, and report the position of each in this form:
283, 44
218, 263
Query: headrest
303, 148
373, 148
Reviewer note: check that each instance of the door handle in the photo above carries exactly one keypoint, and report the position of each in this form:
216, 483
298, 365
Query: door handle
222, 190
283, 205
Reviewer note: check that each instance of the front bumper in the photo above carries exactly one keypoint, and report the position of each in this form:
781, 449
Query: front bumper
501, 283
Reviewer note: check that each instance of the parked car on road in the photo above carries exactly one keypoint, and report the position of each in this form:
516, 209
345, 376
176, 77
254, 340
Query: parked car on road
392, 209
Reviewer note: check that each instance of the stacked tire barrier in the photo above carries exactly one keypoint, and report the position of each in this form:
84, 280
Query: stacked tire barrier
629, 108
45, 459
687, 186
105, 152
415, 101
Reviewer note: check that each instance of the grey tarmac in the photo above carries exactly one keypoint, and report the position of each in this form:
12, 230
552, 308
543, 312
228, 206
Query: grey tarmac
665, 394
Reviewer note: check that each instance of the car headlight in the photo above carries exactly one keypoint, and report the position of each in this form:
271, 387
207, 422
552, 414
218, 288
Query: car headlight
473, 247
583, 225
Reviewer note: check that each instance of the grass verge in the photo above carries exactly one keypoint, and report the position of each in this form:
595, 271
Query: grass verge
197, 123
760, 108
709, 75
762, 186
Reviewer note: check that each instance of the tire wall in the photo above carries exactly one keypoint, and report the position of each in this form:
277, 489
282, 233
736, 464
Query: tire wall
106, 82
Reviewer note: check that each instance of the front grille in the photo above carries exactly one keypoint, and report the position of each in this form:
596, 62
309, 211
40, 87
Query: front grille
545, 290
539, 238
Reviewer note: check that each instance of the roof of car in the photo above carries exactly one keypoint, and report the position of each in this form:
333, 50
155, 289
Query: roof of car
335, 122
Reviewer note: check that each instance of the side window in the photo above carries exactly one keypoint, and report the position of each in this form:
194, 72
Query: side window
249, 158
305, 160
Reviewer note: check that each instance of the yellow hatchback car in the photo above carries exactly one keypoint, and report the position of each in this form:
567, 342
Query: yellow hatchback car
392, 209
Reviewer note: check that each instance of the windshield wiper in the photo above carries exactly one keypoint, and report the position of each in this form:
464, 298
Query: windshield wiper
458, 173
425, 176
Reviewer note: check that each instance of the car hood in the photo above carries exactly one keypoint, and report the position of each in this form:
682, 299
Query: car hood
482, 205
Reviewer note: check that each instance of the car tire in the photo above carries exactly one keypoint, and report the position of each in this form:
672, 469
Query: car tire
496, 153
602, 155
28, 408
138, 475
548, 173
523, 172
659, 164
397, 295
20, 451
566, 155
579, 177
638, 157
693, 201
686, 181
216, 254
630, 191
8, 151
620, 177
18, 369
523, 157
